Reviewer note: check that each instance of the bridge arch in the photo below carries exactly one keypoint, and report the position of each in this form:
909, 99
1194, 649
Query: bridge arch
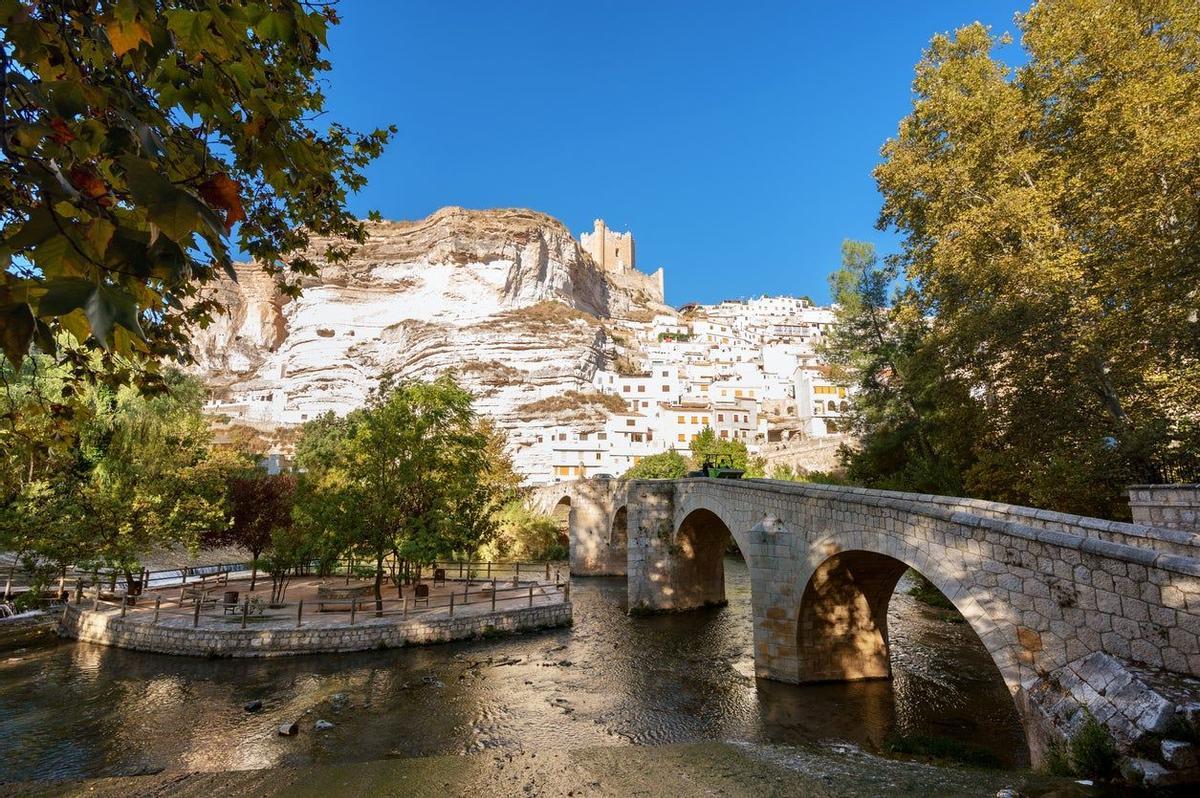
619, 532
699, 543
841, 617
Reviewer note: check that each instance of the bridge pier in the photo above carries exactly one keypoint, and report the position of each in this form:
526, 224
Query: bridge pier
594, 516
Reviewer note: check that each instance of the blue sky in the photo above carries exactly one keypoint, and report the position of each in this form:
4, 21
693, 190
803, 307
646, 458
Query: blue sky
736, 140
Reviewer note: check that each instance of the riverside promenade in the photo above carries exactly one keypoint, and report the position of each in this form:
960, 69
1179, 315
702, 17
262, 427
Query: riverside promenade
219, 616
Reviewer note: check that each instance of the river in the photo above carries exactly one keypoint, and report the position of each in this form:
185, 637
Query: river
71, 710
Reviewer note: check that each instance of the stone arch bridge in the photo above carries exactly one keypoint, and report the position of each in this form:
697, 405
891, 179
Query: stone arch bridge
1042, 590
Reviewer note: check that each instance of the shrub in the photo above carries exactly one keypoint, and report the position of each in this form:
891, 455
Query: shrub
1093, 753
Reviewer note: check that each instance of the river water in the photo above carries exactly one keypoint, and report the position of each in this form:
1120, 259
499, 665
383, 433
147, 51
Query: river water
73, 710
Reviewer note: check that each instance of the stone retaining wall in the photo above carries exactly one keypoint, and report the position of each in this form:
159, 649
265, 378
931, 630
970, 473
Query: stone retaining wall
109, 629
1167, 506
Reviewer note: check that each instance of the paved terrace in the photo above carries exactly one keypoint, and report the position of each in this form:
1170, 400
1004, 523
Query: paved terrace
318, 614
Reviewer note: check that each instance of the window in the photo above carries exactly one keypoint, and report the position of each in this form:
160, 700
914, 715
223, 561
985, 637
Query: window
666, 374
738, 392
694, 421
681, 420
645, 403
629, 422
597, 456
649, 435
641, 389
721, 417
637, 437
681, 438
724, 433
601, 436
666, 388
704, 421
583, 436
625, 389
562, 436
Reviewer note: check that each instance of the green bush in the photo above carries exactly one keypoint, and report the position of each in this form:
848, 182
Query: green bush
667, 465
1093, 753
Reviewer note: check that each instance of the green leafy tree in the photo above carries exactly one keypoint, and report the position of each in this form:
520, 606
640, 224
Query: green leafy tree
110, 477
148, 475
1049, 236
665, 465
524, 534
406, 475
708, 448
137, 137
881, 345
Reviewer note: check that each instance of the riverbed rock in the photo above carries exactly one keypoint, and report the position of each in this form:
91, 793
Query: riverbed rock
253, 706
1179, 754
289, 729
1144, 771
322, 725
339, 701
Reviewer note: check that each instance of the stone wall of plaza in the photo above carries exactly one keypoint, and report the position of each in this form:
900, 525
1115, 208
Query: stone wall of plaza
597, 522
108, 628
1167, 506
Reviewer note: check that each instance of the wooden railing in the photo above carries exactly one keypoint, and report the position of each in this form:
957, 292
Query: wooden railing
205, 601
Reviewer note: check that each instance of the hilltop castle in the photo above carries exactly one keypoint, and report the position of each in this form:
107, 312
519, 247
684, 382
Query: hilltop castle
614, 253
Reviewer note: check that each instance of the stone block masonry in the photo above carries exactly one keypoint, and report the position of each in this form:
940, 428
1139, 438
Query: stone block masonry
1166, 506
109, 629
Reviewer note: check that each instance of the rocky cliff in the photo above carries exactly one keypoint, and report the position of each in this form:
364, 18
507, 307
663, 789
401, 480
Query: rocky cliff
506, 298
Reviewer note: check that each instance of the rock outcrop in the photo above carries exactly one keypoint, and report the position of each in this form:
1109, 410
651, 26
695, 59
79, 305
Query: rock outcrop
505, 298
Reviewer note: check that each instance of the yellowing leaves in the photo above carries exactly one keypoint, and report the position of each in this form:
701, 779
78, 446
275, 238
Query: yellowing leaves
125, 35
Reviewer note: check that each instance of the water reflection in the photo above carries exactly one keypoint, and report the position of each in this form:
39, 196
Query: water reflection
74, 710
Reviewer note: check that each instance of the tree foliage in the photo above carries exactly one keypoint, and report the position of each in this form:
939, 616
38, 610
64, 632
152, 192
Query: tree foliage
260, 508
708, 448
665, 465
120, 476
1050, 220
407, 475
137, 137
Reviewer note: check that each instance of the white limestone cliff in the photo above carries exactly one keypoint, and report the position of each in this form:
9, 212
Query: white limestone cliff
505, 298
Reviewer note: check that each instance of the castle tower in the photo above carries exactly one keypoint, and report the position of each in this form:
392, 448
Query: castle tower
613, 252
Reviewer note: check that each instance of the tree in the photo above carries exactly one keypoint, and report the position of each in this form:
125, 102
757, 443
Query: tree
523, 534
109, 477
1050, 233
405, 475
137, 135
148, 476
665, 465
881, 345
260, 506
708, 448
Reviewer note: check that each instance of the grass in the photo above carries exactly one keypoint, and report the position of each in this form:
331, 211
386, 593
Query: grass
542, 316
571, 400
